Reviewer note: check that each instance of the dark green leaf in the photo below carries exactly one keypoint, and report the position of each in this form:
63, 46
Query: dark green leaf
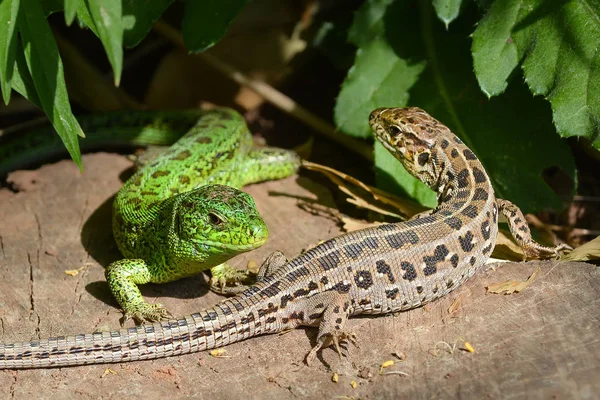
205, 22
108, 19
512, 135
138, 17
52, 6
556, 44
71, 7
9, 10
22, 81
46, 69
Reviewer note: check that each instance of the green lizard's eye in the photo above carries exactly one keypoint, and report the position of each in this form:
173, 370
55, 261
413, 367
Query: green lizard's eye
214, 219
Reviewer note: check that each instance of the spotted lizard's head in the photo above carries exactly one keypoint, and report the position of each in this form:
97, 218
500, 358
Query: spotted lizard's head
216, 221
410, 135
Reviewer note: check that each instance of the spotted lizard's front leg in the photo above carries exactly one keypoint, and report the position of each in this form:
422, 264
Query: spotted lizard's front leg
520, 230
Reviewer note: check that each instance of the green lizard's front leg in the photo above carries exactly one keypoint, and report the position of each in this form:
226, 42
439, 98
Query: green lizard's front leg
123, 277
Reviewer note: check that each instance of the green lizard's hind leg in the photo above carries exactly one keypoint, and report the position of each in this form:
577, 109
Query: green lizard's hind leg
331, 311
228, 280
520, 231
269, 163
123, 277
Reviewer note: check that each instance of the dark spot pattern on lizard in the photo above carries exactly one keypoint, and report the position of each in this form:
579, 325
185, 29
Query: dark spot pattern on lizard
397, 240
479, 175
463, 178
363, 279
466, 242
480, 194
485, 229
469, 155
454, 260
411, 273
353, 250
329, 261
384, 268
470, 211
454, 222
439, 254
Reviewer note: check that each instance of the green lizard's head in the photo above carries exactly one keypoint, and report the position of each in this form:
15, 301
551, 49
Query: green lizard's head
214, 222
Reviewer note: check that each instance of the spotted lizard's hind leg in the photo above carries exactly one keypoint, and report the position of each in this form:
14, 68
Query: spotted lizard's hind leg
331, 311
520, 231
272, 263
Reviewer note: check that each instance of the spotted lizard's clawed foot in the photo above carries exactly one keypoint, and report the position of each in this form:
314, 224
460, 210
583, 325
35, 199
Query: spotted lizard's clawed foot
327, 340
534, 250
144, 312
520, 230
227, 280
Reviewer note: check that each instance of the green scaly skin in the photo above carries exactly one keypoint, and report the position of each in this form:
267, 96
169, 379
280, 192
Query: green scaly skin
175, 218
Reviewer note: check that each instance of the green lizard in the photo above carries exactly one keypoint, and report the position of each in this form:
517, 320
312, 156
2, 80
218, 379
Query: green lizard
175, 217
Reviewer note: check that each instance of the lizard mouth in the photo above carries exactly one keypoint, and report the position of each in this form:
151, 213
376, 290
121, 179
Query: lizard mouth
237, 248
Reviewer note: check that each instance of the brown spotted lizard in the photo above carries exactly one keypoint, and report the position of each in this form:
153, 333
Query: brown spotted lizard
379, 270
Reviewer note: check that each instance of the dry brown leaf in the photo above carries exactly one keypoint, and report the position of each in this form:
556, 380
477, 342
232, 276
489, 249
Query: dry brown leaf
352, 224
365, 196
506, 248
511, 286
586, 252
455, 306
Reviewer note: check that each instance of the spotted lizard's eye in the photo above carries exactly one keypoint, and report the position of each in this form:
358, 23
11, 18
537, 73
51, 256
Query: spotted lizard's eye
214, 219
423, 158
394, 130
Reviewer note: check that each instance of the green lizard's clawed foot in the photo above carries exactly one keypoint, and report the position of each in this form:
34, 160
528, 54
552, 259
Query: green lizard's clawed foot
145, 312
228, 280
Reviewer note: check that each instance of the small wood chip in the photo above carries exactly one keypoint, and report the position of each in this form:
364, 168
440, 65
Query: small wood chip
219, 353
469, 347
455, 306
335, 378
386, 364
353, 384
108, 371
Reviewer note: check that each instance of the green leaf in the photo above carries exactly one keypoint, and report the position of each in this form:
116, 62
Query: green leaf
108, 20
9, 10
205, 22
46, 69
85, 18
447, 10
375, 80
556, 44
512, 135
71, 7
138, 17
22, 81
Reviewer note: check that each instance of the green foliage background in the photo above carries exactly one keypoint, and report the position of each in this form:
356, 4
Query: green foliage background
505, 75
